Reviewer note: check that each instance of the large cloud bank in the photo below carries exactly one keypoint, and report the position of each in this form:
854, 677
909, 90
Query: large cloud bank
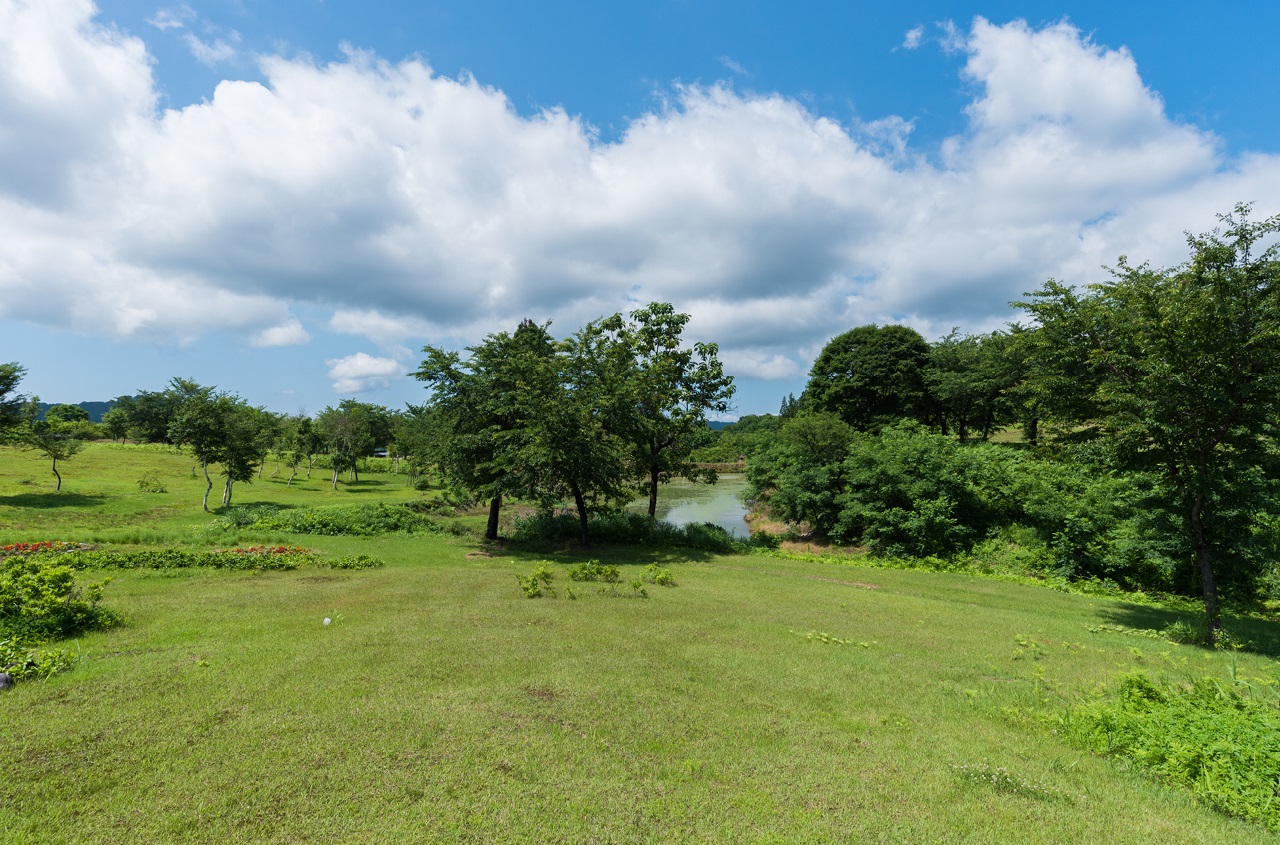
409, 206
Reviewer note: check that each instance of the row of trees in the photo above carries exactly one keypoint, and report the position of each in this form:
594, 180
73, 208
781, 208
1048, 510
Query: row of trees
589, 419
585, 419
1160, 388
218, 427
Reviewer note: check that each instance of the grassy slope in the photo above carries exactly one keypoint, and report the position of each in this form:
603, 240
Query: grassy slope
442, 705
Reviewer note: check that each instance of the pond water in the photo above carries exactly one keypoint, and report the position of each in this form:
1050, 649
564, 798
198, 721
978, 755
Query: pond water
681, 502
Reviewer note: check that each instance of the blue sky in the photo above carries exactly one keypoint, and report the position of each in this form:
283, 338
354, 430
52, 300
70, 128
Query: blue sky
288, 199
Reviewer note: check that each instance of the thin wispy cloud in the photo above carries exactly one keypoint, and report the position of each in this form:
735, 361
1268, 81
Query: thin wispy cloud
214, 51
172, 18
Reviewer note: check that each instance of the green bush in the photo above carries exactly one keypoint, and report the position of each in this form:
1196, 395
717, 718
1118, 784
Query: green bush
658, 575
242, 516
40, 600
1220, 740
537, 583
356, 520
180, 559
625, 529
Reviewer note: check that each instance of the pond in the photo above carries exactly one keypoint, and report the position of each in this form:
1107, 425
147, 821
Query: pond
681, 502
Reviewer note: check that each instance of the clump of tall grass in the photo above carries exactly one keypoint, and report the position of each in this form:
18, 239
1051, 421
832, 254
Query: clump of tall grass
1219, 739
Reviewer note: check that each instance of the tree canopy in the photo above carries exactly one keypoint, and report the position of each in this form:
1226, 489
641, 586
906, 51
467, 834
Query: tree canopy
1178, 372
870, 375
581, 419
11, 402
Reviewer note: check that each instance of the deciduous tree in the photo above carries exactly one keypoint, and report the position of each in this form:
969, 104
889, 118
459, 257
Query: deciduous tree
870, 376
674, 389
56, 440
482, 413
11, 402
1184, 379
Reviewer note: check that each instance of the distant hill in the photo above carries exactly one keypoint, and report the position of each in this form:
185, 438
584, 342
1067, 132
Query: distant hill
94, 409
716, 425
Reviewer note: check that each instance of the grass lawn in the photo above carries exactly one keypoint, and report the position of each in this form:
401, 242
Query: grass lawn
442, 705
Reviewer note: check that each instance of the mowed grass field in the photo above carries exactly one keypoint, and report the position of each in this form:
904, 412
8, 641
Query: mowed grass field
759, 700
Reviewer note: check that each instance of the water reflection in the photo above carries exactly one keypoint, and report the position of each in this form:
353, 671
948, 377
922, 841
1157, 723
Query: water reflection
681, 502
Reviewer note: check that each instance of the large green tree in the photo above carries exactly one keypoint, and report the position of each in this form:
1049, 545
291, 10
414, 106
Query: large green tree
970, 380
220, 428
675, 388
580, 445
66, 413
348, 433
1181, 376
200, 424
483, 412
870, 376
115, 422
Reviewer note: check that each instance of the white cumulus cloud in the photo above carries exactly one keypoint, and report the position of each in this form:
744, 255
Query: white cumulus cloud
289, 333
415, 207
361, 373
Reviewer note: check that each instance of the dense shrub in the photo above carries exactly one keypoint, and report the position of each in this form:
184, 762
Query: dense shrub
242, 516
357, 520
910, 492
40, 600
255, 558
351, 562
625, 528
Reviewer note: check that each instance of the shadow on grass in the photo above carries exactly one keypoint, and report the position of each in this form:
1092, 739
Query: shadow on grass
362, 486
1262, 636
53, 499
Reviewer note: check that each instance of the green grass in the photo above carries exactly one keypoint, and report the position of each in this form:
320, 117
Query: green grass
760, 700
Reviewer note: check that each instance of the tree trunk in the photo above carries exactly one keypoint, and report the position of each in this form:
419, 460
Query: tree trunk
653, 491
310, 460
226, 493
293, 473
583, 529
495, 508
335, 477
58, 486
208, 486
1204, 557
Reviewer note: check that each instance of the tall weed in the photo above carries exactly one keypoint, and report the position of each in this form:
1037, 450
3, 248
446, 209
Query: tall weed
1219, 739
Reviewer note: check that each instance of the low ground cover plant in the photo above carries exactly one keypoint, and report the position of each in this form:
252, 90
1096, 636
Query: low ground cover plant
79, 557
27, 660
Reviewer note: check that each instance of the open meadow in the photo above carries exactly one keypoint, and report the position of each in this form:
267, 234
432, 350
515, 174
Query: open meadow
762, 698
